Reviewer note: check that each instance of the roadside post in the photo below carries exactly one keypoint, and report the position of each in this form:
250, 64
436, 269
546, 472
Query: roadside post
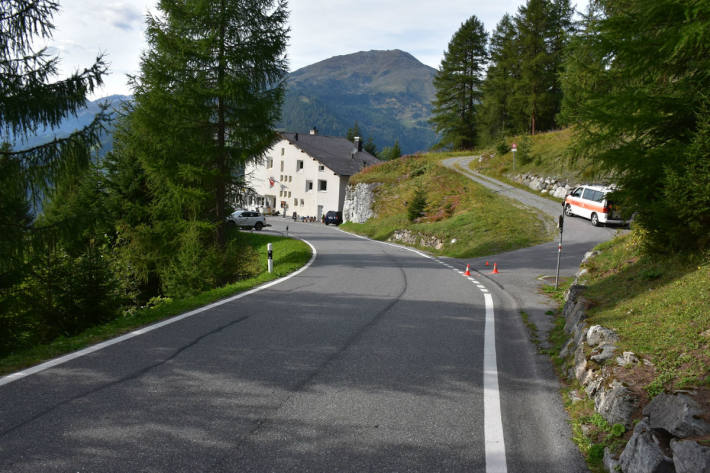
561, 224
270, 251
514, 149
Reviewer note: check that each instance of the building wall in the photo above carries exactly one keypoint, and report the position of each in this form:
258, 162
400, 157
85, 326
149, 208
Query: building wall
292, 170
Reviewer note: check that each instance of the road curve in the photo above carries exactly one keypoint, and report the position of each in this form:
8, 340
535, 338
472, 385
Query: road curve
372, 359
369, 360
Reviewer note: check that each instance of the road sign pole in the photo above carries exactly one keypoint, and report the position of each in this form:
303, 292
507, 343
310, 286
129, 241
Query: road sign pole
561, 224
270, 251
514, 149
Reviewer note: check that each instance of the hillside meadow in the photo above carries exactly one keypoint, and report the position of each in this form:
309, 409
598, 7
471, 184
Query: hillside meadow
468, 219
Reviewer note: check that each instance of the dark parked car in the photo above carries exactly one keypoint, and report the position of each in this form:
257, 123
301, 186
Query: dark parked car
336, 218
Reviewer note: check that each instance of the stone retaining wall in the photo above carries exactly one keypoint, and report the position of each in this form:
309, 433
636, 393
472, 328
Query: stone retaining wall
666, 430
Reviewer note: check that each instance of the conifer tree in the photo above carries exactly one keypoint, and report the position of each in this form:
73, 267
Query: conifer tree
458, 86
32, 98
496, 116
635, 84
206, 101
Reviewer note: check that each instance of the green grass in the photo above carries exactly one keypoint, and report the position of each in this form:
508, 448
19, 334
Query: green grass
289, 255
659, 307
545, 154
480, 221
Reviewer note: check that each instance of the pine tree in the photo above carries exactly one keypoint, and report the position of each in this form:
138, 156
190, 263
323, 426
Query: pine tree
206, 101
458, 86
353, 132
496, 116
543, 30
635, 84
31, 99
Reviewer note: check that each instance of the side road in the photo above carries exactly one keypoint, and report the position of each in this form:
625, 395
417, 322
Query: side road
523, 271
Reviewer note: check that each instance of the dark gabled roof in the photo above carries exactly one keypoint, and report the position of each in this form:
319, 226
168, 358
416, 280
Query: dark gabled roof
335, 153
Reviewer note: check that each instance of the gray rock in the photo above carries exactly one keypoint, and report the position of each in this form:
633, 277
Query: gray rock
690, 457
648, 451
576, 315
569, 346
574, 397
589, 255
603, 352
628, 358
559, 192
598, 335
679, 414
593, 384
357, 206
611, 463
580, 363
616, 403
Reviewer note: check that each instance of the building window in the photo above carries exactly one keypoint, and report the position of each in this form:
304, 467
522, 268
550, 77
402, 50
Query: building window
299, 165
309, 186
282, 166
302, 203
290, 178
295, 202
321, 168
282, 151
269, 163
289, 193
322, 185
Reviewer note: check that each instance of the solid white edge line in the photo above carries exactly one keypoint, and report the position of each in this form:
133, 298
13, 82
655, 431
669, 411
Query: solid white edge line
492, 417
99, 346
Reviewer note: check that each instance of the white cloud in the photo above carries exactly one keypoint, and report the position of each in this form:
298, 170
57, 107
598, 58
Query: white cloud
319, 29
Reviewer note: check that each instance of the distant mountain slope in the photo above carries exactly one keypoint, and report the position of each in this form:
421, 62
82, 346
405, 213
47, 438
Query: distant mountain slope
388, 93
73, 123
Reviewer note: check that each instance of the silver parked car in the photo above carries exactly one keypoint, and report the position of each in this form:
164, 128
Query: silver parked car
247, 219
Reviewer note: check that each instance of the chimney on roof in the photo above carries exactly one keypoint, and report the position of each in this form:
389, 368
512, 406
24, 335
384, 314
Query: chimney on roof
314, 131
358, 144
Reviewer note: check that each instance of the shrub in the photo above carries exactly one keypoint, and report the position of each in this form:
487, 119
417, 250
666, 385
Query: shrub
416, 206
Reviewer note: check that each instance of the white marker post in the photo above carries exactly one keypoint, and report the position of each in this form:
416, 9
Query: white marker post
514, 149
270, 250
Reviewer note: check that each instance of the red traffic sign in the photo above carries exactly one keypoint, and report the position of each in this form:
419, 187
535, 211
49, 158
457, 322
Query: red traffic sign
514, 147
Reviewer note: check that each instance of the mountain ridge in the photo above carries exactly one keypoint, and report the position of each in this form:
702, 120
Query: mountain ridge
388, 93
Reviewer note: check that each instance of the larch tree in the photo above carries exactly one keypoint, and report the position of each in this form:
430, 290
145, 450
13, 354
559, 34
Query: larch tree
458, 86
33, 98
636, 91
206, 102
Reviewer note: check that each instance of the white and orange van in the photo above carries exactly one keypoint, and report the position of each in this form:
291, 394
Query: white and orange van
591, 202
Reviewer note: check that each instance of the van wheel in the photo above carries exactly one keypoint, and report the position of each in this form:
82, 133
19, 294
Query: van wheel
595, 220
258, 226
568, 210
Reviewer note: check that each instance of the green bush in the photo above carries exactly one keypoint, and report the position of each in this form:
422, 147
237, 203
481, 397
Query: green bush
416, 206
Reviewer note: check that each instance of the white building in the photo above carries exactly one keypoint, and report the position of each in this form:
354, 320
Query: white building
305, 174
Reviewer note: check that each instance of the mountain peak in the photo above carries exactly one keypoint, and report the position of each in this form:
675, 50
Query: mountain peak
388, 93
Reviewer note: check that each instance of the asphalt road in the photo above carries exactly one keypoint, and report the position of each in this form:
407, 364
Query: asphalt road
369, 360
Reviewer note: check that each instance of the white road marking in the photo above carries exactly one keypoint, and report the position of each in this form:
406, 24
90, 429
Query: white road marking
94, 348
492, 417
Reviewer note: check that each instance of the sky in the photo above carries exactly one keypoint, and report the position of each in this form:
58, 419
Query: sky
319, 29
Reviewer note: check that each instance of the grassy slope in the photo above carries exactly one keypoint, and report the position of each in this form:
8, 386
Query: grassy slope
481, 222
289, 255
659, 307
547, 156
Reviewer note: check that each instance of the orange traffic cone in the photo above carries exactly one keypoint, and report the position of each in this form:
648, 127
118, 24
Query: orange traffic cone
495, 269
468, 271
487, 264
